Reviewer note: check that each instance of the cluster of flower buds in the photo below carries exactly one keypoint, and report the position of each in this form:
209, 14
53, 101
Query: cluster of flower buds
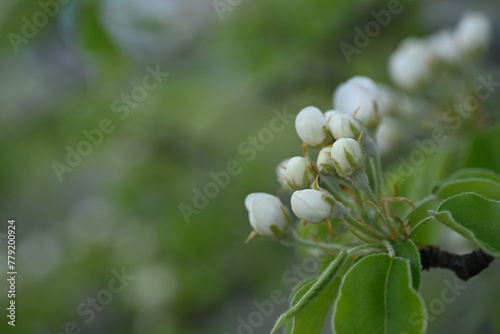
268, 216
342, 137
339, 137
411, 65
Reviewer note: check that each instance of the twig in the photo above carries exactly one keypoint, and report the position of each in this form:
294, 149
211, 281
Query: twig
464, 266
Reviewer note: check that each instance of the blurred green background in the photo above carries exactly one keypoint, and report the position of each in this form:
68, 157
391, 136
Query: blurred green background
119, 207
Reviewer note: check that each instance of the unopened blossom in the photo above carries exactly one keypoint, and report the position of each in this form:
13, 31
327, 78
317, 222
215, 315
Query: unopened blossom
410, 65
268, 216
299, 173
311, 127
348, 156
358, 97
313, 206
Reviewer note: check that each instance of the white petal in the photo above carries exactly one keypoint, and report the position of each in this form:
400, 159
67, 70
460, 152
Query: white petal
310, 205
358, 97
351, 146
473, 32
340, 126
444, 46
280, 172
299, 173
265, 210
411, 63
310, 124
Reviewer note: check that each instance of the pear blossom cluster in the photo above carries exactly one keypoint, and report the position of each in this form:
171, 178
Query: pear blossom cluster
430, 73
338, 177
340, 141
411, 65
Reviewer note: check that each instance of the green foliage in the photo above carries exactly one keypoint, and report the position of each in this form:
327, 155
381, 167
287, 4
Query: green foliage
377, 296
474, 217
468, 203
223, 85
421, 213
409, 251
313, 291
312, 318
475, 173
484, 187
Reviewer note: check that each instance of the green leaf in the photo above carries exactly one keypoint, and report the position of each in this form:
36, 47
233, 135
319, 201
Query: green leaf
409, 251
475, 217
483, 150
475, 173
421, 211
480, 181
424, 228
298, 292
312, 319
376, 296
314, 291
483, 187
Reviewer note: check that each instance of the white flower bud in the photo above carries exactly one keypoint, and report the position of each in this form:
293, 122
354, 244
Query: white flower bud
299, 173
444, 47
358, 97
313, 206
330, 113
311, 127
410, 65
267, 215
348, 156
473, 33
344, 126
325, 162
389, 135
394, 101
280, 173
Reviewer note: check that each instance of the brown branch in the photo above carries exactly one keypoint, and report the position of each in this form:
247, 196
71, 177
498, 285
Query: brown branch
464, 266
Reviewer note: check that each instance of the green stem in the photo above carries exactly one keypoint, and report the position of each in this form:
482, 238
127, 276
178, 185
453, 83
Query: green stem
359, 180
373, 172
360, 205
375, 165
364, 247
310, 243
360, 229
376, 169
364, 232
389, 248
339, 196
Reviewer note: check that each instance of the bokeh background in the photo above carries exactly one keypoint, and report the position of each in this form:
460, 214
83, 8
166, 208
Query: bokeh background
119, 207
